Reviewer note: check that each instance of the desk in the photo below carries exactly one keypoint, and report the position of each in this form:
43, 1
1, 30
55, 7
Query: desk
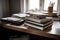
53, 32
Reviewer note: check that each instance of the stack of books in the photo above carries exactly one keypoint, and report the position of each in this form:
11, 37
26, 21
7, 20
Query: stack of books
37, 22
13, 20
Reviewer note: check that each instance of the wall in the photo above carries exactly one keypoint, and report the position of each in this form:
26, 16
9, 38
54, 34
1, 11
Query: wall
0, 8
8, 7
58, 7
4, 8
14, 6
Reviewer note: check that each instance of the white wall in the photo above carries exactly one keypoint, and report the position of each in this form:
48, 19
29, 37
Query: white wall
24, 5
58, 7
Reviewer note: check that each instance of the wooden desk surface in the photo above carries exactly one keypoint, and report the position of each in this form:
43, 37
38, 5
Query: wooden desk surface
53, 32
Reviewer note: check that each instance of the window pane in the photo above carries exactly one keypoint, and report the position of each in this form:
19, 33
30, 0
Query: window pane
46, 4
33, 4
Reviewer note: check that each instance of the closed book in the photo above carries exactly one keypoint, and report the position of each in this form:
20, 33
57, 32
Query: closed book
42, 21
39, 24
37, 15
37, 27
13, 20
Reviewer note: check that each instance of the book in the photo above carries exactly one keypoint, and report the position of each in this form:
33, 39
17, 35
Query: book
39, 24
37, 15
37, 27
42, 21
13, 20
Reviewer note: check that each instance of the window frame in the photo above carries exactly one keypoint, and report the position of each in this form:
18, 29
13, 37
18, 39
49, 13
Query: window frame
47, 10
41, 6
27, 7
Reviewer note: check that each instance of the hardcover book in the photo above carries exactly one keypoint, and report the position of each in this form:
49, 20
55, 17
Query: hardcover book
39, 24
36, 27
42, 21
13, 20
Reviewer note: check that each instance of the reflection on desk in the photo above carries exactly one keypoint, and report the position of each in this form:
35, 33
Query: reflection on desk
55, 28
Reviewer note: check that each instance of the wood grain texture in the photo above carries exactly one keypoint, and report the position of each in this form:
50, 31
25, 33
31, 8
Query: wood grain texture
52, 32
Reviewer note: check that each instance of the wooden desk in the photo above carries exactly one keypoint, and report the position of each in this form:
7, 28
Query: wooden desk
53, 32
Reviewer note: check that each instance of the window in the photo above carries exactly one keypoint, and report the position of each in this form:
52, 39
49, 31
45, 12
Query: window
33, 4
46, 4
41, 5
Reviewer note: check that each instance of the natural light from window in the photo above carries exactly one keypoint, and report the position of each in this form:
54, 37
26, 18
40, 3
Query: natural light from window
33, 4
46, 4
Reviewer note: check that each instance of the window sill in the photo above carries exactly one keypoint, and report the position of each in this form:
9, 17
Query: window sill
40, 12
